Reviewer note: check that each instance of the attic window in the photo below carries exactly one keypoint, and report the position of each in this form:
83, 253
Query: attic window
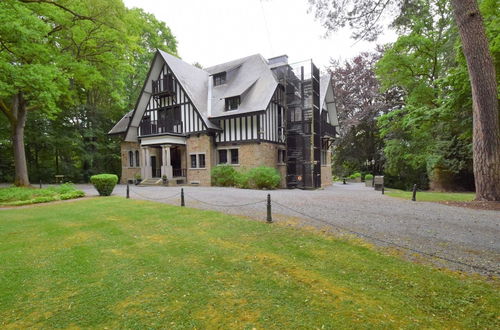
232, 103
219, 78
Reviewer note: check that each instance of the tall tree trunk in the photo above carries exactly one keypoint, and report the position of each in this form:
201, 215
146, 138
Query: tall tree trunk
486, 135
17, 126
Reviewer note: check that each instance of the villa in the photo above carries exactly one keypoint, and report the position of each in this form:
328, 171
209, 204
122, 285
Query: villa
246, 113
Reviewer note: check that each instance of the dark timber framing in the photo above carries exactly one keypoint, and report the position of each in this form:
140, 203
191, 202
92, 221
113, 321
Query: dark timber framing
172, 112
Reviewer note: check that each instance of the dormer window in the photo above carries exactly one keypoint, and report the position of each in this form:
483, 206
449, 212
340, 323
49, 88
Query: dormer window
232, 103
219, 78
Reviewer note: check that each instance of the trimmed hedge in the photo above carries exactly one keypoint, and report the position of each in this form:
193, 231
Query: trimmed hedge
259, 177
104, 183
224, 176
368, 177
263, 177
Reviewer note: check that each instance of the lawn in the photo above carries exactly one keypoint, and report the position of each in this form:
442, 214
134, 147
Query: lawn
15, 196
431, 196
118, 263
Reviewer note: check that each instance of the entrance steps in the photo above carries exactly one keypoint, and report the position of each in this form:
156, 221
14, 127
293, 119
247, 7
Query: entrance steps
151, 182
176, 181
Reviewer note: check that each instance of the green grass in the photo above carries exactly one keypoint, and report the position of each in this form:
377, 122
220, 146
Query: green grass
118, 263
430, 196
15, 196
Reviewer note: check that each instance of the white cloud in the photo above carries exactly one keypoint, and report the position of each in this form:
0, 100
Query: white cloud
216, 31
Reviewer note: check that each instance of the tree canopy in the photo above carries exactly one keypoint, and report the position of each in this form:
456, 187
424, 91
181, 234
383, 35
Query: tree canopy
74, 68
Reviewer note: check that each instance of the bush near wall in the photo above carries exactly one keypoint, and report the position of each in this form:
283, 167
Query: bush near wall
261, 177
104, 183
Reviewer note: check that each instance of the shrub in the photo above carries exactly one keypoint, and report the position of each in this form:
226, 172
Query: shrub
368, 177
72, 194
224, 176
104, 183
242, 180
355, 175
263, 177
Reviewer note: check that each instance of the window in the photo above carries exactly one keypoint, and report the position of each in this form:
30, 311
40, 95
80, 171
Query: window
281, 156
232, 103
131, 158
219, 78
201, 160
233, 156
193, 161
197, 160
223, 156
137, 158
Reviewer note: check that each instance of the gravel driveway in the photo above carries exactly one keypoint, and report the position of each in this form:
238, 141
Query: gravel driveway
465, 235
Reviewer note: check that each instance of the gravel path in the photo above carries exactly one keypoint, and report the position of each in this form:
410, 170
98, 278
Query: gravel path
465, 235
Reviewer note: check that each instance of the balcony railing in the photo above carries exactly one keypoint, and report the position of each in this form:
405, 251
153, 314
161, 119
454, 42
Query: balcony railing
164, 86
179, 172
150, 127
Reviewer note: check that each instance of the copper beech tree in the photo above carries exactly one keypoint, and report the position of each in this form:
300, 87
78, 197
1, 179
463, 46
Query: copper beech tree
364, 17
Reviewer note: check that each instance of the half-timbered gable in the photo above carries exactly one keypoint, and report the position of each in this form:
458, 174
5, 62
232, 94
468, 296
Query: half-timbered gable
170, 110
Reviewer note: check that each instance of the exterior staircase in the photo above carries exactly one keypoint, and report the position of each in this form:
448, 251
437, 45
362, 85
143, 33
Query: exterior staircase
151, 182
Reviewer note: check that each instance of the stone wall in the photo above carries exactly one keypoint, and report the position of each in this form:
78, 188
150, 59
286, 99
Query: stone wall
326, 171
128, 172
261, 154
200, 144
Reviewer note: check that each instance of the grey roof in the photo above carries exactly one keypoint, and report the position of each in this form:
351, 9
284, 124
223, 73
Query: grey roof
194, 81
324, 81
122, 125
248, 77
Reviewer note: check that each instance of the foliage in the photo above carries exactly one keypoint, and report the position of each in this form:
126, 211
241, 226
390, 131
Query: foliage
368, 177
430, 138
355, 175
264, 177
15, 196
359, 103
242, 180
136, 266
104, 183
223, 175
79, 75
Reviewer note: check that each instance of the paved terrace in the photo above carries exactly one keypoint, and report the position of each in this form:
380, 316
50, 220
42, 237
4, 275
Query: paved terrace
465, 235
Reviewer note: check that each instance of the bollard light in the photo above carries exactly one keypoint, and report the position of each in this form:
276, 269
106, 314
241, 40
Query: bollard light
269, 214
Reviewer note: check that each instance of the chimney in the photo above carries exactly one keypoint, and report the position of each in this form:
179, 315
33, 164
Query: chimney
282, 59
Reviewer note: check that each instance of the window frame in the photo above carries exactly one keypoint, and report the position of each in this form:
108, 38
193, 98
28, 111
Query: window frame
231, 101
229, 156
130, 158
219, 78
197, 157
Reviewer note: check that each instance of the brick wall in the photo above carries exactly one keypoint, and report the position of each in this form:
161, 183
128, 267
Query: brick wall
128, 172
262, 154
200, 144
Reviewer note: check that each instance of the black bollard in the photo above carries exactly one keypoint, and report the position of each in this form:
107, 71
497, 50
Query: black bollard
128, 190
343, 181
182, 197
414, 196
383, 189
269, 215
40, 184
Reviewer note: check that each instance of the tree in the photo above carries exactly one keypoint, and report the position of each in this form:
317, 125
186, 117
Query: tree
486, 132
359, 103
365, 17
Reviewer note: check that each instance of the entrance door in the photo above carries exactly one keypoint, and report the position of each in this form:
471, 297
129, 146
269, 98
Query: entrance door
175, 161
154, 171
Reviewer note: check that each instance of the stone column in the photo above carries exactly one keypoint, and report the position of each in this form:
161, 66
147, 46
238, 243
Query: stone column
145, 164
166, 168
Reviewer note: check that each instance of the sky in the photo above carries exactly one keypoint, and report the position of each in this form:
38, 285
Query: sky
216, 31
